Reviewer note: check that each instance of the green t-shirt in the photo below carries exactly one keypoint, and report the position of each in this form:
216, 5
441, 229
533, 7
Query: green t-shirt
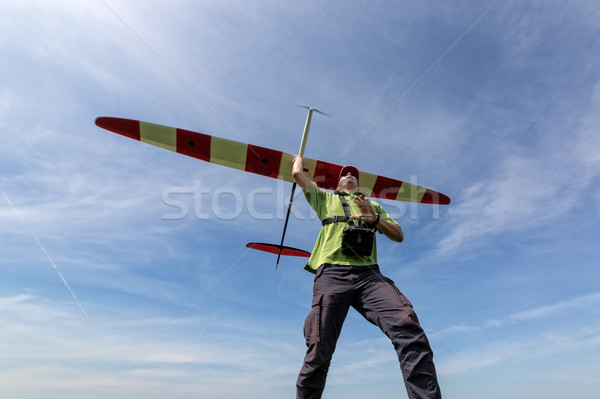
328, 248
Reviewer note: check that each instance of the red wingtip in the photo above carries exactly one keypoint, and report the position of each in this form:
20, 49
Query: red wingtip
126, 127
435, 198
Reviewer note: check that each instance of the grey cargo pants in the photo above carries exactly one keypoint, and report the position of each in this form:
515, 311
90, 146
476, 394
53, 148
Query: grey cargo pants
376, 297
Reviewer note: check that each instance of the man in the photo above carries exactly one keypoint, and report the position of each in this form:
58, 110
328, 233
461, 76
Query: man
342, 281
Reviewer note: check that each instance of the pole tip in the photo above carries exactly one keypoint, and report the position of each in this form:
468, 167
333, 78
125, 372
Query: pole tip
313, 109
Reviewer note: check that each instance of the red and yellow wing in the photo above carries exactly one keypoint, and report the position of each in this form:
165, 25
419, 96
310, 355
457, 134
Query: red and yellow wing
263, 161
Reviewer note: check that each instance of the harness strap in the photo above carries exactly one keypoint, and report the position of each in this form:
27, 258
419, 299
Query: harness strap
335, 219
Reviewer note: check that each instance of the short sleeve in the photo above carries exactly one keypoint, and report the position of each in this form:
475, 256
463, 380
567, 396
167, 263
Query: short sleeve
316, 198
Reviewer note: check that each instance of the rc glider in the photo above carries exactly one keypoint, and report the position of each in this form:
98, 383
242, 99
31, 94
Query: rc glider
267, 162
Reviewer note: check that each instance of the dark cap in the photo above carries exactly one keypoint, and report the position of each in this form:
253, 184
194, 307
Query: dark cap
349, 169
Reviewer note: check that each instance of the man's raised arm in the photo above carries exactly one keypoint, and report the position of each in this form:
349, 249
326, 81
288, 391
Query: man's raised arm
298, 173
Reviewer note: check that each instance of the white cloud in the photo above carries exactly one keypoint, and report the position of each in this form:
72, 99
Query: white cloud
94, 198
77, 353
525, 315
549, 310
528, 190
515, 351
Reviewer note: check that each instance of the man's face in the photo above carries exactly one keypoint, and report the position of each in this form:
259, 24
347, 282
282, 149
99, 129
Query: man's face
348, 178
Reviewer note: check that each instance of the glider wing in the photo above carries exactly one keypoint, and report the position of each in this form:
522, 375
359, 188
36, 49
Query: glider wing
263, 161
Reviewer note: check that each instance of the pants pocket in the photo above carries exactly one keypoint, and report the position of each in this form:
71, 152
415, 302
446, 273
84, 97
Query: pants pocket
312, 324
405, 301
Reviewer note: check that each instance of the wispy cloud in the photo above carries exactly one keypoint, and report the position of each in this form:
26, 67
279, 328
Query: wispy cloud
521, 350
83, 354
529, 190
506, 124
526, 315
549, 310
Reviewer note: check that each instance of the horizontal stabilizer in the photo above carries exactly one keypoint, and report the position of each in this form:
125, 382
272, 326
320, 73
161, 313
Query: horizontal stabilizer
278, 249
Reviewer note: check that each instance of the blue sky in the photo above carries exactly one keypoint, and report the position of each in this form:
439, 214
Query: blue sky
107, 290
